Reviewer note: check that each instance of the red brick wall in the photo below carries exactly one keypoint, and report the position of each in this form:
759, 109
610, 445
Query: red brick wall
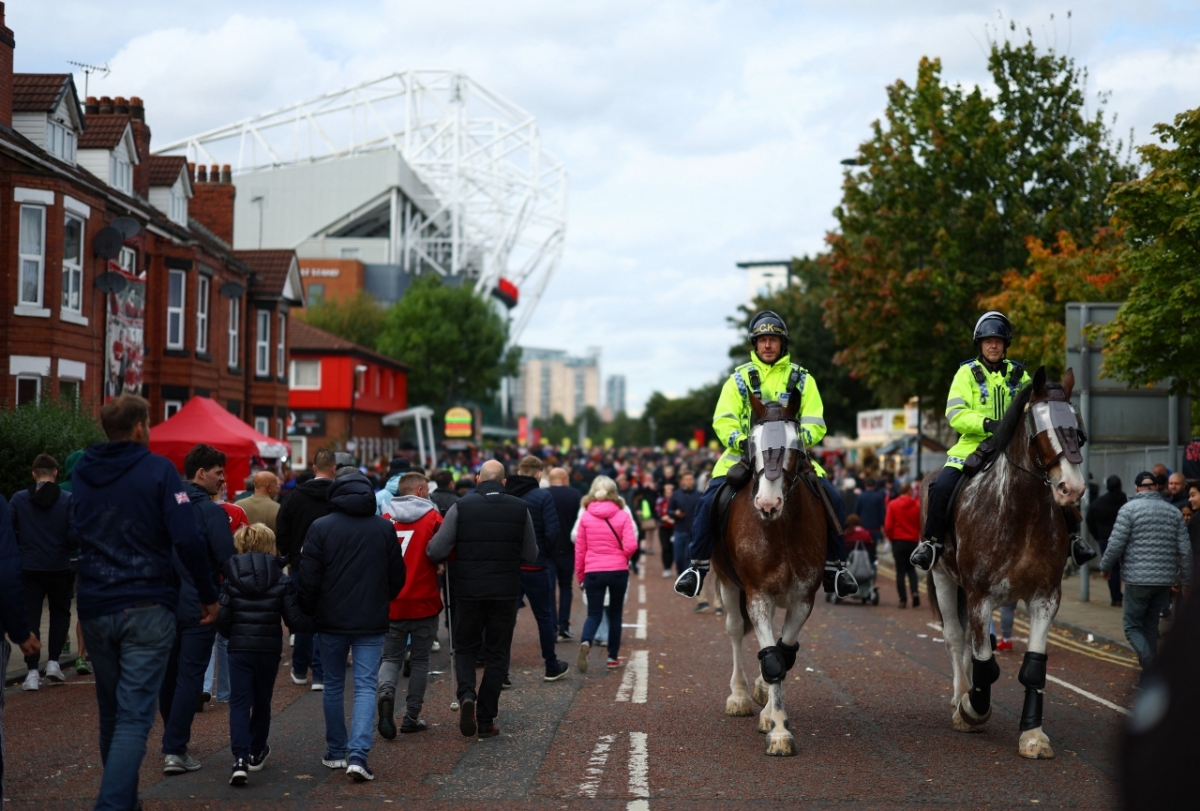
212, 201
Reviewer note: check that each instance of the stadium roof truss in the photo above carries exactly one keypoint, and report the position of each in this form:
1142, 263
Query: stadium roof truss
500, 198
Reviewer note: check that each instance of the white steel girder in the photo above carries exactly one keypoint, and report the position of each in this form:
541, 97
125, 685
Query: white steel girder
501, 198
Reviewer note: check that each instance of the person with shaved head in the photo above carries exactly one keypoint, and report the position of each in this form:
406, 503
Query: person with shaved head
491, 535
262, 507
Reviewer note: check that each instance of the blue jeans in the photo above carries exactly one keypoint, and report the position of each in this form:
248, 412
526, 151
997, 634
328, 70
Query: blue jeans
252, 674
681, 541
129, 651
596, 584
183, 684
538, 588
562, 572
306, 653
1143, 607
368, 650
219, 658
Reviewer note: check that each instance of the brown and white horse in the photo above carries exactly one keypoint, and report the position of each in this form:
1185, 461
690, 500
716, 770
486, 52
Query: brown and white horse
1011, 541
773, 557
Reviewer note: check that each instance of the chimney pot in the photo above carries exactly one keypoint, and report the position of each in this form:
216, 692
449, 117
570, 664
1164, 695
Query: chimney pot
201, 174
120, 106
106, 105
226, 174
136, 109
92, 107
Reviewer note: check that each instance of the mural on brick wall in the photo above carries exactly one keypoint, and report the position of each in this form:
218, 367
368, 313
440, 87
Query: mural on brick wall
124, 347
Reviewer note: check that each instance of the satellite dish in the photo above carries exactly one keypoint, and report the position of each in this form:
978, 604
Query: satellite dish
128, 226
110, 282
232, 290
108, 242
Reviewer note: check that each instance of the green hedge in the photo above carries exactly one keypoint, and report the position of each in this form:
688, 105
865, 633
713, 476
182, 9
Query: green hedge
47, 427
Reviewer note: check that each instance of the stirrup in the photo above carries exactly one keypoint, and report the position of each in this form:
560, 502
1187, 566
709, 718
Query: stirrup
926, 555
690, 582
1081, 551
844, 584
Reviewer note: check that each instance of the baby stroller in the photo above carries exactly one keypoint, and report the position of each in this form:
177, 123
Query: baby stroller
860, 560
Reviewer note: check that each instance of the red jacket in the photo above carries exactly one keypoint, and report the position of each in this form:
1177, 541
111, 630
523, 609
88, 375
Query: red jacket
903, 521
416, 520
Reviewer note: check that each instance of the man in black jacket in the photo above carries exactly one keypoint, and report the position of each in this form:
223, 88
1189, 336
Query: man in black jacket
493, 534
350, 569
204, 468
41, 520
537, 584
562, 565
306, 504
12, 613
1101, 517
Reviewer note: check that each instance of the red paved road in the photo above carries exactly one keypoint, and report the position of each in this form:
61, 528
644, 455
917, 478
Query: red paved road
868, 700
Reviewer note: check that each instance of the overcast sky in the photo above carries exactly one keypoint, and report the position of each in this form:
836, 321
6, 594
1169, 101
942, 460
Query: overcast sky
697, 134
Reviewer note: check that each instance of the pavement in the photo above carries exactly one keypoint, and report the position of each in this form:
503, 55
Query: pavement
868, 700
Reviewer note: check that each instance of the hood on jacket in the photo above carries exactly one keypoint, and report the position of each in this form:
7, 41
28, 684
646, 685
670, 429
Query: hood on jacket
409, 509
103, 464
352, 494
393, 485
316, 489
253, 572
520, 485
603, 509
44, 494
69, 468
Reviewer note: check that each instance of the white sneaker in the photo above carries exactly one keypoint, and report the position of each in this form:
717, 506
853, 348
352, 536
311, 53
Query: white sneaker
291, 640
299, 679
437, 646
317, 688
54, 673
32, 682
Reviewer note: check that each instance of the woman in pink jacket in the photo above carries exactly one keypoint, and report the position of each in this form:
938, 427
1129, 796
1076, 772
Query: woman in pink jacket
604, 543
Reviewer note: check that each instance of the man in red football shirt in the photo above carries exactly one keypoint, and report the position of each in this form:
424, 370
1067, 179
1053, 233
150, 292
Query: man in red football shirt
413, 615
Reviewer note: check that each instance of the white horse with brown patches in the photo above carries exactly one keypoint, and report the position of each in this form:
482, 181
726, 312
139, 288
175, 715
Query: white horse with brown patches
1010, 543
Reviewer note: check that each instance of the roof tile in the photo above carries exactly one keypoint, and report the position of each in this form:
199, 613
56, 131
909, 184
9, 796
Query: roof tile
272, 267
307, 338
38, 92
165, 169
103, 131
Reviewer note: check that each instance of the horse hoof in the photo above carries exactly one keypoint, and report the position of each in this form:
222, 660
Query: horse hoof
781, 745
960, 725
761, 693
738, 706
1035, 745
764, 724
967, 714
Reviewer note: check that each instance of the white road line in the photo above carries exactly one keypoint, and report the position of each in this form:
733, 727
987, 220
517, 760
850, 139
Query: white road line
637, 805
595, 769
1086, 694
639, 766
640, 633
634, 686
641, 572
937, 626
641, 592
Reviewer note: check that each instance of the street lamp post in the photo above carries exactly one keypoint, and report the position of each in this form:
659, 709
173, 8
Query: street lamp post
351, 444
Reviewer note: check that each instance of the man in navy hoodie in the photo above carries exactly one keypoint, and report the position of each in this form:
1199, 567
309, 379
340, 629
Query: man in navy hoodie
13, 621
132, 515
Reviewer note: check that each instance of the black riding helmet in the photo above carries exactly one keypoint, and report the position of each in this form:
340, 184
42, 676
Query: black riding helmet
993, 324
767, 322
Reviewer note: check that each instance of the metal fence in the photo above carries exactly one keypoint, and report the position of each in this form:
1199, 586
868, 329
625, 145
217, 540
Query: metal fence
1127, 463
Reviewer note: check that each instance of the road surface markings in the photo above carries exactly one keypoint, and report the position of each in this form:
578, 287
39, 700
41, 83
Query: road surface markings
641, 592
639, 771
634, 686
595, 769
640, 633
1086, 694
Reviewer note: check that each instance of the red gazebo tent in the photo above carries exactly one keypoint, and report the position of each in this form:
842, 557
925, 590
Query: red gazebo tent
202, 420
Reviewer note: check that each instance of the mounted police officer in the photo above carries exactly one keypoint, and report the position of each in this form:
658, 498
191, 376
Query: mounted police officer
982, 389
771, 375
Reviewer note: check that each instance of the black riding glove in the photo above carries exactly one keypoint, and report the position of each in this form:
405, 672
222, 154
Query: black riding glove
990, 426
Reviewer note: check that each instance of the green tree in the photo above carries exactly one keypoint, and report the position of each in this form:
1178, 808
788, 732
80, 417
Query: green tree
56, 428
453, 340
359, 319
812, 343
677, 418
1156, 334
948, 188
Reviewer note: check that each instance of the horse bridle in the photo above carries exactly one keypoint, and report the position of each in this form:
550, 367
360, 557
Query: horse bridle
778, 449
1058, 417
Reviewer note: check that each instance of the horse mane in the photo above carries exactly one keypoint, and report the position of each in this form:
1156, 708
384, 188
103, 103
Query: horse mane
1013, 417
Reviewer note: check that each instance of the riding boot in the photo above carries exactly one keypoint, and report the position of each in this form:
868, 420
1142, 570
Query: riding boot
926, 554
1081, 550
692, 580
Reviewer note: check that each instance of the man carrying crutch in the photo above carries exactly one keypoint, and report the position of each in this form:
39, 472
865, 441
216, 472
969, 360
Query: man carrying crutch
490, 534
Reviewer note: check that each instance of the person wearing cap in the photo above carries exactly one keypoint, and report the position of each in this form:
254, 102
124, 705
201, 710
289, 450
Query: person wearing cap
771, 376
396, 468
981, 391
1151, 542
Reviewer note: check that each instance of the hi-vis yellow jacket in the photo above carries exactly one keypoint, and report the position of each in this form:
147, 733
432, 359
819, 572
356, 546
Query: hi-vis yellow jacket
976, 394
731, 419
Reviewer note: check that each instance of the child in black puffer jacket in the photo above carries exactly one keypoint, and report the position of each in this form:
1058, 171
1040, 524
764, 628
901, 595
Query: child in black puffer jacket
255, 596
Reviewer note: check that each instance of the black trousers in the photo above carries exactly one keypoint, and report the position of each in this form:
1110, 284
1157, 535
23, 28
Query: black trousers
901, 552
939, 492
58, 587
666, 539
251, 683
485, 625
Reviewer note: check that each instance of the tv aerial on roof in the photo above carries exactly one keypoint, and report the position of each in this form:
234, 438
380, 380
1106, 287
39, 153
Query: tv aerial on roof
88, 70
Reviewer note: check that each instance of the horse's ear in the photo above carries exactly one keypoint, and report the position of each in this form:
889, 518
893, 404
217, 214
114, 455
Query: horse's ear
793, 406
1039, 380
1068, 382
757, 409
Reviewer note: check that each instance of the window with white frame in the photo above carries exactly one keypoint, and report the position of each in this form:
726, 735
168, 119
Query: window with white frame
60, 141
306, 374
262, 342
29, 389
72, 265
280, 354
127, 259
33, 255
171, 408
120, 173
203, 288
263, 425
179, 207
235, 317
176, 299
